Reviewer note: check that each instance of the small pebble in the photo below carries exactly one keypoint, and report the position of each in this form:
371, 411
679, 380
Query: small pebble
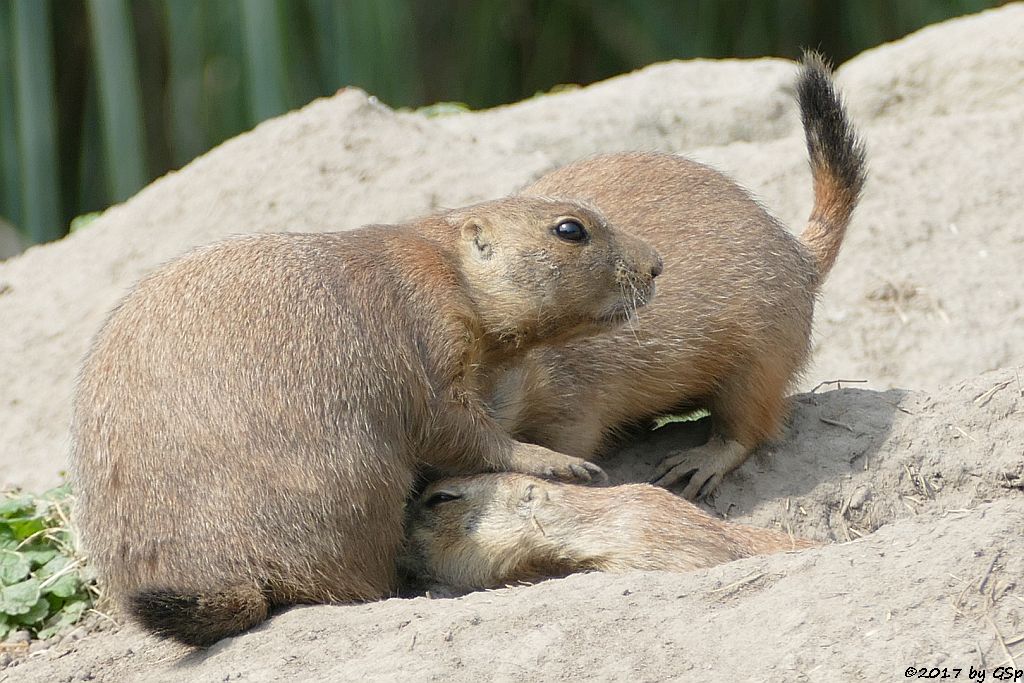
19, 637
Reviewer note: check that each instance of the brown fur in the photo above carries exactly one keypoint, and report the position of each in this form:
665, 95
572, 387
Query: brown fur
731, 327
490, 530
248, 421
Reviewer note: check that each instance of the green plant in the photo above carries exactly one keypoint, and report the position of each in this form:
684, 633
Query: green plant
45, 585
79, 222
692, 416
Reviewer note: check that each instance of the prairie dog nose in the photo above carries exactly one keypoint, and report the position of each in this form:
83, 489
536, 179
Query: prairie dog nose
657, 266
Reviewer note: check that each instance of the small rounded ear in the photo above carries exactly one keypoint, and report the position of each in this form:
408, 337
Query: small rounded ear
528, 494
473, 232
534, 493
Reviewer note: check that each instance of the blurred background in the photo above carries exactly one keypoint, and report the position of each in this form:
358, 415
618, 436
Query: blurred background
99, 97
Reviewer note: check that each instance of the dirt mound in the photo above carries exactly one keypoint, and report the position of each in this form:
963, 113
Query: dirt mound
921, 482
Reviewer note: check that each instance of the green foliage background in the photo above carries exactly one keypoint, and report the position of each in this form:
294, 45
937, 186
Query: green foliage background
98, 97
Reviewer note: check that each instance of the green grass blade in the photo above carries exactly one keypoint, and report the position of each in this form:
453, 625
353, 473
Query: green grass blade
332, 44
375, 48
396, 37
185, 79
92, 192
10, 192
118, 80
223, 106
262, 34
37, 135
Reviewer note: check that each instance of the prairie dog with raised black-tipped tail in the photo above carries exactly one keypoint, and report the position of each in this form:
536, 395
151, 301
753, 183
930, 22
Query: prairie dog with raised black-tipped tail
731, 327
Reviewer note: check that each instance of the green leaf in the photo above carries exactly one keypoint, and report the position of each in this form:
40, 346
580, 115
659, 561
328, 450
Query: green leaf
19, 598
691, 416
23, 527
71, 613
61, 492
52, 567
65, 586
16, 507
14, 567
37, 554
77, 223
36, 613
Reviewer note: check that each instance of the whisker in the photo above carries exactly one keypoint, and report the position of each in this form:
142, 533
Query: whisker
631, 309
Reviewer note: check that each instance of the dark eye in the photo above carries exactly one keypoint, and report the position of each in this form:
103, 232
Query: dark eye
571, 231
440, 497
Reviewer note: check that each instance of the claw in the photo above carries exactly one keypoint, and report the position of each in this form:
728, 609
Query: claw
673, 476
701, 487
580, 472
596, 473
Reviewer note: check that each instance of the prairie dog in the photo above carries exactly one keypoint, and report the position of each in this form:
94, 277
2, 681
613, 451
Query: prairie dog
491, 530
248, 420
731, 327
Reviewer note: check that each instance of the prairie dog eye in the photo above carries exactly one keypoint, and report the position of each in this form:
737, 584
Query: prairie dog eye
440, 497
570, 230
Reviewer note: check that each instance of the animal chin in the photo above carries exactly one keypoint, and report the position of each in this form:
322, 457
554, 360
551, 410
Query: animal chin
617, 315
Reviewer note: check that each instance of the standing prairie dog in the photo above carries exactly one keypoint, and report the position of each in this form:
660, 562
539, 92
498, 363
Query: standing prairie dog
491, 530
731, 327
248, 421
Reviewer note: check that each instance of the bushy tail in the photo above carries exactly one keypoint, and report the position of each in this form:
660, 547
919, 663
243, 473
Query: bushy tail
838, 163
199, 619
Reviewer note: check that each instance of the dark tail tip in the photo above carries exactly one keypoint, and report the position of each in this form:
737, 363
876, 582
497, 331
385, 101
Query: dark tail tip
832, 142
199, 620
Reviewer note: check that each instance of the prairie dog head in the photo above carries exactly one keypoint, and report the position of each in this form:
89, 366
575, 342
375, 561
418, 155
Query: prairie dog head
475, 532
547, 270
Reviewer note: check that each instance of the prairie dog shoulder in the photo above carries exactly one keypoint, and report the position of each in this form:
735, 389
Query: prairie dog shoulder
489, 530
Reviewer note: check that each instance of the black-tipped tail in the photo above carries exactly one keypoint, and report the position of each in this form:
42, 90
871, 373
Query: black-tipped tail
838, 160
199, 619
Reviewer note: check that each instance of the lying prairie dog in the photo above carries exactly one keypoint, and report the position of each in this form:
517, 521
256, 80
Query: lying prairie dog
491, 530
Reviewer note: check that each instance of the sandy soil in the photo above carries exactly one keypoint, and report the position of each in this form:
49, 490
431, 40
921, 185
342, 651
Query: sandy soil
914, 477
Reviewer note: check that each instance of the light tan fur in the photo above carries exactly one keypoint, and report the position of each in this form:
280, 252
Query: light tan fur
249, 419
731, 327
491, 530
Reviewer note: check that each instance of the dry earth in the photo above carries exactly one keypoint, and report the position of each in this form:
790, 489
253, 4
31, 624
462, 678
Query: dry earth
919, 492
